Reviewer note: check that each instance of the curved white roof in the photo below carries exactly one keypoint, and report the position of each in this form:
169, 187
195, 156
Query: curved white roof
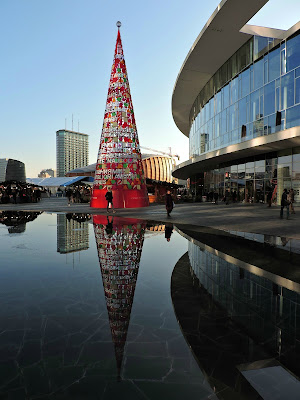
219, 39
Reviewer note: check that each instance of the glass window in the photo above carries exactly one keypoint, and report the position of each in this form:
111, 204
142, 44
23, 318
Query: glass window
254, 106
226, 97
293, 117
211, 108
224, 74
258, 69
243, 56
233, 90
284, 170
293, 53
297, 89
223, 122
266, 127
245, 80
274, 64
249, 170
269, 98
242, 112
260, 165
260, 46
232, 117
296, 171
282, 60
217, 125
266, 79
218, 102
271, 126
285, 156
287, 90
296, 154
235, 136
233, 67
258, 127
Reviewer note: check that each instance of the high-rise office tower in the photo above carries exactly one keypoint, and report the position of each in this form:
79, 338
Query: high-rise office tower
72, 151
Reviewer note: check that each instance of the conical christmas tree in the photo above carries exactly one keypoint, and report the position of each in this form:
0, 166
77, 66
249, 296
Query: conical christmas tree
119, 165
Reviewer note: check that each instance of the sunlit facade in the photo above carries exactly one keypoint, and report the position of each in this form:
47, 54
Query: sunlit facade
72, 151
243, 124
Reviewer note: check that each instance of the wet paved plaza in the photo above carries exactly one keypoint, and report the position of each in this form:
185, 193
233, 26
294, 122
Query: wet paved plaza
97, 307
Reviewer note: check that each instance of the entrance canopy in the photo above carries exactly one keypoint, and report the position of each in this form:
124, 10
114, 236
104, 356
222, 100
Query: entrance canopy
61, 181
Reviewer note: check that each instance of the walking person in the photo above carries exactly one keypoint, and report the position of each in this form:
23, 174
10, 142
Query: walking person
269, 198
291, 198
69, 195
285, 203
169, 203
109, 199
216, 197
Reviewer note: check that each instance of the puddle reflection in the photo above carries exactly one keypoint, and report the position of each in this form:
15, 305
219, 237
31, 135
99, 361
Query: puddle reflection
238, 321
119, 244
16, 220
107, 325
72, 232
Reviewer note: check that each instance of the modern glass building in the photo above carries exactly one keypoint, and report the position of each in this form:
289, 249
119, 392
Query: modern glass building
72, 151
237, 98
12, 170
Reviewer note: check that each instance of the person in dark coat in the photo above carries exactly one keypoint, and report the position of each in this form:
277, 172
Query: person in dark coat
291, 198
109, 199
285, 203
269, 198
69, 193
169, 203
216, 197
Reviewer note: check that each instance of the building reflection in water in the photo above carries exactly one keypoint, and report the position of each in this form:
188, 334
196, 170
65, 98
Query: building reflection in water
251, 319
119, 244
72, 232
16, 220
269, 312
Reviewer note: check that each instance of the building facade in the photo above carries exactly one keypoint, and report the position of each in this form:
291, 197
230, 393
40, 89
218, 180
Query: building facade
241, 107
72, 235
47, 173
158, 168
72, 151
157, 173
12, 170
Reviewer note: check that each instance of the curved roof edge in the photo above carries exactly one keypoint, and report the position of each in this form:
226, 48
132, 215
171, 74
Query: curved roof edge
263, 144
218, 40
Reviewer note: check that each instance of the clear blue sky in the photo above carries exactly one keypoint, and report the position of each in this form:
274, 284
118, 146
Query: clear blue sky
57, 56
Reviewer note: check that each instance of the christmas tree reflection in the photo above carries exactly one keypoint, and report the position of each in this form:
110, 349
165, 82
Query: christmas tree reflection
119, 243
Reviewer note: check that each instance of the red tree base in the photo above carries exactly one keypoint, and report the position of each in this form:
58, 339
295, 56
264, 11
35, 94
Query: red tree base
132, 198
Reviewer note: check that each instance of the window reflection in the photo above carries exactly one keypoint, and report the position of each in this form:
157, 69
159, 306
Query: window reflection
287, 90
293, 52
274, 64
258, 74
269, 98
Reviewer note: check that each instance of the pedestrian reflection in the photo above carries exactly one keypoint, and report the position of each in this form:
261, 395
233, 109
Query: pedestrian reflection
119, 244
109, 225
168, 231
